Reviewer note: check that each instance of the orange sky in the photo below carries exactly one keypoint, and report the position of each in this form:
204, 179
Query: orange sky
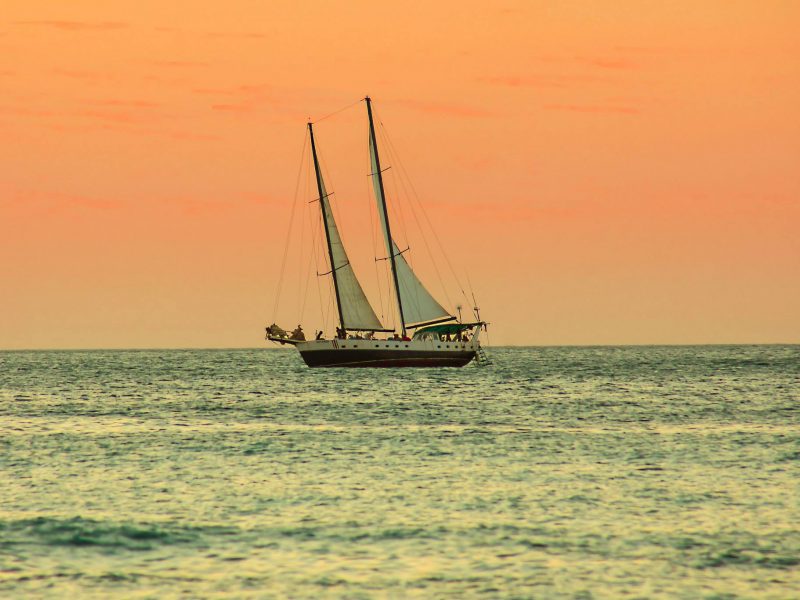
608, 172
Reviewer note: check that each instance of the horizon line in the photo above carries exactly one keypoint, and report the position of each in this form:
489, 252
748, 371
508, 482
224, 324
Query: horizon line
488, 347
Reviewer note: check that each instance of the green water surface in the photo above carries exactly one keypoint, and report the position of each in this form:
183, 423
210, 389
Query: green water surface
613, 472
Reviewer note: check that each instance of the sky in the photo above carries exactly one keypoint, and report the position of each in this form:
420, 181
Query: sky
613, 172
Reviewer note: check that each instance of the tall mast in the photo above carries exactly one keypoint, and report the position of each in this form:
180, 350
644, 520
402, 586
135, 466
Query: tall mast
389, 243
322, 200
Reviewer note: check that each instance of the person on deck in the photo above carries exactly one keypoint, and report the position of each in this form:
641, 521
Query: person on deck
298, 334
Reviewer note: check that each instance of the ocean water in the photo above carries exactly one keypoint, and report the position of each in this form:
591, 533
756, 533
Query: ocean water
607, 472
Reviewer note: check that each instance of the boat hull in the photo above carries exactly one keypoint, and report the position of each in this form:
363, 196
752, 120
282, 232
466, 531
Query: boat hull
386, 358
354, 354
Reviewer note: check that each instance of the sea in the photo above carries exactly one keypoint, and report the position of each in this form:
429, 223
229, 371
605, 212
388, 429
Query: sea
555, 472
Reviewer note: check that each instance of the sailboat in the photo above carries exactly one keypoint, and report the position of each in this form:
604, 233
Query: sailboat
429, 335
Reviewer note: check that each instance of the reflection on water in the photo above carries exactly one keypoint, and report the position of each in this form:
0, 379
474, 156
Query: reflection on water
558, 472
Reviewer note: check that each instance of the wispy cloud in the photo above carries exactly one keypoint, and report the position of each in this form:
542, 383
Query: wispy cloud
77, 25
125, 103
625, 110
453, 110
240, 35
570, 71
24, 111
58, 201
84, 75
233, 108
188, 136
250, 90
243, 99
553, 80
513, 212
607, 62
178, 63
196, 207
131, 117
647, 50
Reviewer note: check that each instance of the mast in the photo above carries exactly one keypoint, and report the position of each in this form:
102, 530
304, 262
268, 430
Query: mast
322, 200
389, 244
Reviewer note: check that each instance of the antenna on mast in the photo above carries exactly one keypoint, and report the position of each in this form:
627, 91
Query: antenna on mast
475, 308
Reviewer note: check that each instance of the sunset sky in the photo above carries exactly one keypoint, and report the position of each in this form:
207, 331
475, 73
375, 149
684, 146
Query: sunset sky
612, 172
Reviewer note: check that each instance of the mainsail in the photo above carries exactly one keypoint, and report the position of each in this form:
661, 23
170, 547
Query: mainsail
355, 311
417, 305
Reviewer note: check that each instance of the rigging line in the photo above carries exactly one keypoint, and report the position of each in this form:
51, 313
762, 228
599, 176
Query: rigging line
430, 225
333, 206
328, 305
336, 112
415, 290
373, 230
316, 261
392, 296
301, 262
311, 262
395, 156
474, 301
396, 208
289, 230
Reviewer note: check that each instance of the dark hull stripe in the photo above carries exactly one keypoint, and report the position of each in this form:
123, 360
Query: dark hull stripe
385, 358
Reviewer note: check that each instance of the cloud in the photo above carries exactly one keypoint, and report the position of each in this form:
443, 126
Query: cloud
569, 71
178, 63
109, 116
77, 25
258, 89
626, 110
189, 136
56, 201
125, 103
544, 81
233, 108
508, 211
246, 92
453, 110
84, 75
608, 63
22, 111
645, 49
242, 35
243, 99
118, 116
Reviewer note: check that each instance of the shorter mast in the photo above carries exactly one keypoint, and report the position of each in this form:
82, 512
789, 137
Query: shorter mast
389, 243
322, 199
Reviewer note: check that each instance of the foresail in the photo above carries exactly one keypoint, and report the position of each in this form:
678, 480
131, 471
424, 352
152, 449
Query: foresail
419, 306
357, 312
